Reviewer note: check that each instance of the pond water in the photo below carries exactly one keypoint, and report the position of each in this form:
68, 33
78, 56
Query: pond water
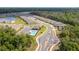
7, 19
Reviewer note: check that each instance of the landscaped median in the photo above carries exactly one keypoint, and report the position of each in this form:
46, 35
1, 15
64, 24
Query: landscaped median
41, 30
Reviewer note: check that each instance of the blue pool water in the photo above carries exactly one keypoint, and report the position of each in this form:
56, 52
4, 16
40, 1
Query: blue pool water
33, 32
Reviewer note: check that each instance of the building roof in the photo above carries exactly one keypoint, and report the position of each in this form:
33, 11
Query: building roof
36, 27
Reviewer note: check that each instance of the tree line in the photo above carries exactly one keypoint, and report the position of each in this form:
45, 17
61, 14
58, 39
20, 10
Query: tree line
12, 10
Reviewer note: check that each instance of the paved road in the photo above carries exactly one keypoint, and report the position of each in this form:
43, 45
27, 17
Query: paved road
55, 23
26, 18
48, 39
25, 30
29, 19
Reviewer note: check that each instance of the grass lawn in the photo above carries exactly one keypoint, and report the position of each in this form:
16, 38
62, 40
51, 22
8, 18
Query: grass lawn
20, 21
42, 29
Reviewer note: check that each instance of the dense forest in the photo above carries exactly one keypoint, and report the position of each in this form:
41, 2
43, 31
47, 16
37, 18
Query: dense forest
69, 37
9, 41
12, 10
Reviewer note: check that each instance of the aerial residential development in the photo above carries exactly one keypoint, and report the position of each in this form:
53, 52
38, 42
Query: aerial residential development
39, 29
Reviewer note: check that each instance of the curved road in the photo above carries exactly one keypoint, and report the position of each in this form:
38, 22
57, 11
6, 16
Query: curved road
48, 40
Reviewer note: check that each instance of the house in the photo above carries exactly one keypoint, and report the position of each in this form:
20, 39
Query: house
36, 27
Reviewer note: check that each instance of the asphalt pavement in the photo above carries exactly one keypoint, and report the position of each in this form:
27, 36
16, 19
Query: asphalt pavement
48, 38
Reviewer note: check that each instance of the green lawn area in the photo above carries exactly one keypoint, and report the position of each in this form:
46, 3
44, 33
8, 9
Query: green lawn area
42, 29
20, 21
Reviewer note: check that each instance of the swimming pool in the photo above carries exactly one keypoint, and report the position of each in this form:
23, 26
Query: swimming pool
33, 32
